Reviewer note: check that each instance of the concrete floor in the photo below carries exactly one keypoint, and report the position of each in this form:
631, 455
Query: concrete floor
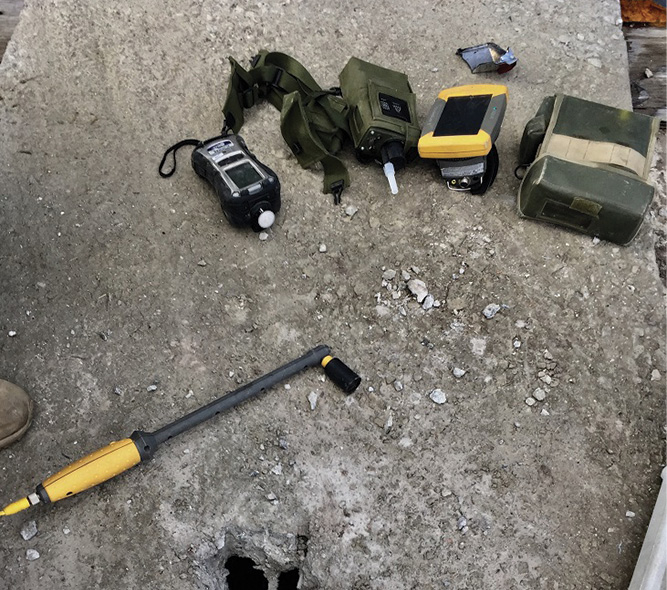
115, 280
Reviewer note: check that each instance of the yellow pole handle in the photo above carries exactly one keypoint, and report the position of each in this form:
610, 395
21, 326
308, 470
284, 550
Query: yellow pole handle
92, 469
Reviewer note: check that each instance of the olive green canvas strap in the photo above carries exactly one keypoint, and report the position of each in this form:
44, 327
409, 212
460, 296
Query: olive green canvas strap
313, 121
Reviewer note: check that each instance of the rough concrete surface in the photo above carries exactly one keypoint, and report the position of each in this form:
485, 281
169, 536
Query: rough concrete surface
115, 279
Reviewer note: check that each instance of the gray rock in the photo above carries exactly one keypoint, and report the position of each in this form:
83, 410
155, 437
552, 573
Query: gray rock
418, 289
388, 274
29, 530
458, 372
530, 401
491, 310
539, 394
323, 248
429, 300
263, 236
152, 387
32, 554
350, 210
312, 400
398, 386
405, 275
655, 375
202, 263
462, 523
438, 396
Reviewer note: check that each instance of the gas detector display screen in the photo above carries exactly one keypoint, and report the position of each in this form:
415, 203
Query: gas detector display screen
243, 175
462, 115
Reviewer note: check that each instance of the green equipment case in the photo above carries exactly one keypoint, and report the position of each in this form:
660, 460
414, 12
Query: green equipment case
587, 167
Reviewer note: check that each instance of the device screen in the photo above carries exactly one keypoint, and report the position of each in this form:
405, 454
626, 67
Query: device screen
462, 115
243, 175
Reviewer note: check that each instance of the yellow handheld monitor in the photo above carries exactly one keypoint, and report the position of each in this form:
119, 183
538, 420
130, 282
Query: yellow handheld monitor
460, 133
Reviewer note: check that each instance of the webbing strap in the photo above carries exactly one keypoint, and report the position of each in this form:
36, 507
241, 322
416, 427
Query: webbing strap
313, 121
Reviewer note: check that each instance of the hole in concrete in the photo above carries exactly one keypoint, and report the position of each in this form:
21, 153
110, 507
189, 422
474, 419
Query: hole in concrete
288, 580
243, 574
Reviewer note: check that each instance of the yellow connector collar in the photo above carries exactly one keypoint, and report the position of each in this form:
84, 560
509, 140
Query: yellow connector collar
15, 507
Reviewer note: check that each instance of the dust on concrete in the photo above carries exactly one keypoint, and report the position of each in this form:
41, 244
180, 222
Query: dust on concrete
385, 489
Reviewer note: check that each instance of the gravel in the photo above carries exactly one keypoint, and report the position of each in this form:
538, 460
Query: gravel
491, 310
312, 400
530, 401
32, 554
438, 396
418, 288
539, 394
29, 530
458, 372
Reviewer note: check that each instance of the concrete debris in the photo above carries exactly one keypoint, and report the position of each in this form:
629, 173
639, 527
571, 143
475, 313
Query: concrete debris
263, 236
32, 554
398, 386
29, 530
546, 378
152, 387
405, 275
312, 400
530, 401
323, 248
655, 375
429, 300
271, 497
539, 394
458, 372
66, 530
415, 269
202, 262
418, 289
277, 469
630, 514
491, 310
438, 396
548, 355
389, 274
545, 412
350, 210
283, 444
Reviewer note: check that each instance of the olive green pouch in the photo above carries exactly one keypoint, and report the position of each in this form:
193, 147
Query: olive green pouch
587, 167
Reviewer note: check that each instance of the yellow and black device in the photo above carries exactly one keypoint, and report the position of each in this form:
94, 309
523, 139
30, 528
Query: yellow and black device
460, 134
117, 457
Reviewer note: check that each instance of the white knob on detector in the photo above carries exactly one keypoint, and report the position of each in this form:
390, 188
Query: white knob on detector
266, 219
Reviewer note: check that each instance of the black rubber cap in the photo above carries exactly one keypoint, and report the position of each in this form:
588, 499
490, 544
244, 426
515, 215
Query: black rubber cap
342, 375
392, 151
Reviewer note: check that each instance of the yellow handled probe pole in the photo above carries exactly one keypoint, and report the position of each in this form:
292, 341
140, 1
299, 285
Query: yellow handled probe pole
119, 456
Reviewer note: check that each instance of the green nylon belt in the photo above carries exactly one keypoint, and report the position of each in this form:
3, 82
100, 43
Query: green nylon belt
313, 121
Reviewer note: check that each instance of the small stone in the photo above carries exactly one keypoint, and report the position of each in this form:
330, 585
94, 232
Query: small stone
418, 289
323, 248
405, 275
287, 386
530, 401
434, 70
66, 531
398, 386
388, 274
438, 396
520, 324
596, 241
595, 62
516, 343
545, 412
462, 523
271, 497
152, 387
11, 333
283, 444
415, 269
539, 394
429, 300
630, 514
263, 236
202, 263
655, 375
29, 530
648, 73
117, 390
32, 554
491, 310
350, 210
458, 372
277, 469
546, 379
312, 400
548, 355
389, 423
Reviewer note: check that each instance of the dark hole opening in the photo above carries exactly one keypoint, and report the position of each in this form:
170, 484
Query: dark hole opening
243, 575
288, 580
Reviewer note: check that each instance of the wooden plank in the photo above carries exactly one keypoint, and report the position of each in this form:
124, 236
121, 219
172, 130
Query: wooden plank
647, 47
9, 17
